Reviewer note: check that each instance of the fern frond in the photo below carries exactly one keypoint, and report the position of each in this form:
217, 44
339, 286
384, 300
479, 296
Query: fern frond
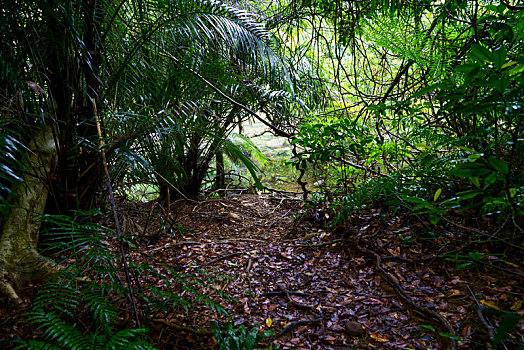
36, 345
54, 329
125, 338
57, 296
101, 308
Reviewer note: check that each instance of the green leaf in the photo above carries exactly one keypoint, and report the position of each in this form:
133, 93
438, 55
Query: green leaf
427, 327
476, 256
434, 219
508, 323
468, 195
490, 179
437, 194
464, 265
413, 199
499, 57
451, 336
480, 53
501, 84
499, 165
470, 170
467, 68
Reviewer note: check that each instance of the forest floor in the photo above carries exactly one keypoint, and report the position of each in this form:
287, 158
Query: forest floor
380, 280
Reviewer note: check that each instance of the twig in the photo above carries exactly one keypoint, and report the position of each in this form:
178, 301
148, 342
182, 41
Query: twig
232, 240
479, 232
169, 245
281, 217
221, 258
485, 323
279, 292
282, 191
323, 244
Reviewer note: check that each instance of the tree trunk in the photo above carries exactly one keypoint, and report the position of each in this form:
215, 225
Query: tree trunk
20, 261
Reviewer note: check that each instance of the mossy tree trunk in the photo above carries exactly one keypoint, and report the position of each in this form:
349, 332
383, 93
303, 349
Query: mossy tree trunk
20, 261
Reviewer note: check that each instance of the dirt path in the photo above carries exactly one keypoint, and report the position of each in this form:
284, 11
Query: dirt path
285, 276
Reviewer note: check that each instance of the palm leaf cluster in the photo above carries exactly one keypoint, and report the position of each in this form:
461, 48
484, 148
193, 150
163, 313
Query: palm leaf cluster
173, 74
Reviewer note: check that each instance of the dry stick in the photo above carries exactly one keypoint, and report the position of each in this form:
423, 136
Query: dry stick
471, 229
485, 323
117, 223
323, 244
221, 258
281, 217
169, 245
302, 184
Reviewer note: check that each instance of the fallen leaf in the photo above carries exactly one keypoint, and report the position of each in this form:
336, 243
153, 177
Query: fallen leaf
517, 305
489, 303
269, 321
378, 337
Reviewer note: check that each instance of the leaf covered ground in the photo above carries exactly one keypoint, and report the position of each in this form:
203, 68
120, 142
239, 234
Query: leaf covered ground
382, 279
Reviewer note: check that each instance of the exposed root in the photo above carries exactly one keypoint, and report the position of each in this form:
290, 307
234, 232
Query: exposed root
406, 299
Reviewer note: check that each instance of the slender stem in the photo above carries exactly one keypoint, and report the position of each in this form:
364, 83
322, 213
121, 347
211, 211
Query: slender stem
117, 222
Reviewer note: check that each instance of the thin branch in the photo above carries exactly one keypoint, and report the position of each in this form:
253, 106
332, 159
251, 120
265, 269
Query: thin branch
117, 223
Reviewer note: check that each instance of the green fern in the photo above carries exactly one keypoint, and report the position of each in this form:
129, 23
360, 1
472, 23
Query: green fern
59, 304
80, 291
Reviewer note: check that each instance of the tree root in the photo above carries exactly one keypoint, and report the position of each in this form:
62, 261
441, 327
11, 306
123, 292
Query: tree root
421, 311
294, 324
20, 262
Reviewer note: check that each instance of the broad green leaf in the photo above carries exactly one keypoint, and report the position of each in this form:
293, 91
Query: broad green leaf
475, 181
480, 53
490, 179
470, 170
468, 67
499, 165
499, 57
501, 84
474, 157
468, 195
464, 265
